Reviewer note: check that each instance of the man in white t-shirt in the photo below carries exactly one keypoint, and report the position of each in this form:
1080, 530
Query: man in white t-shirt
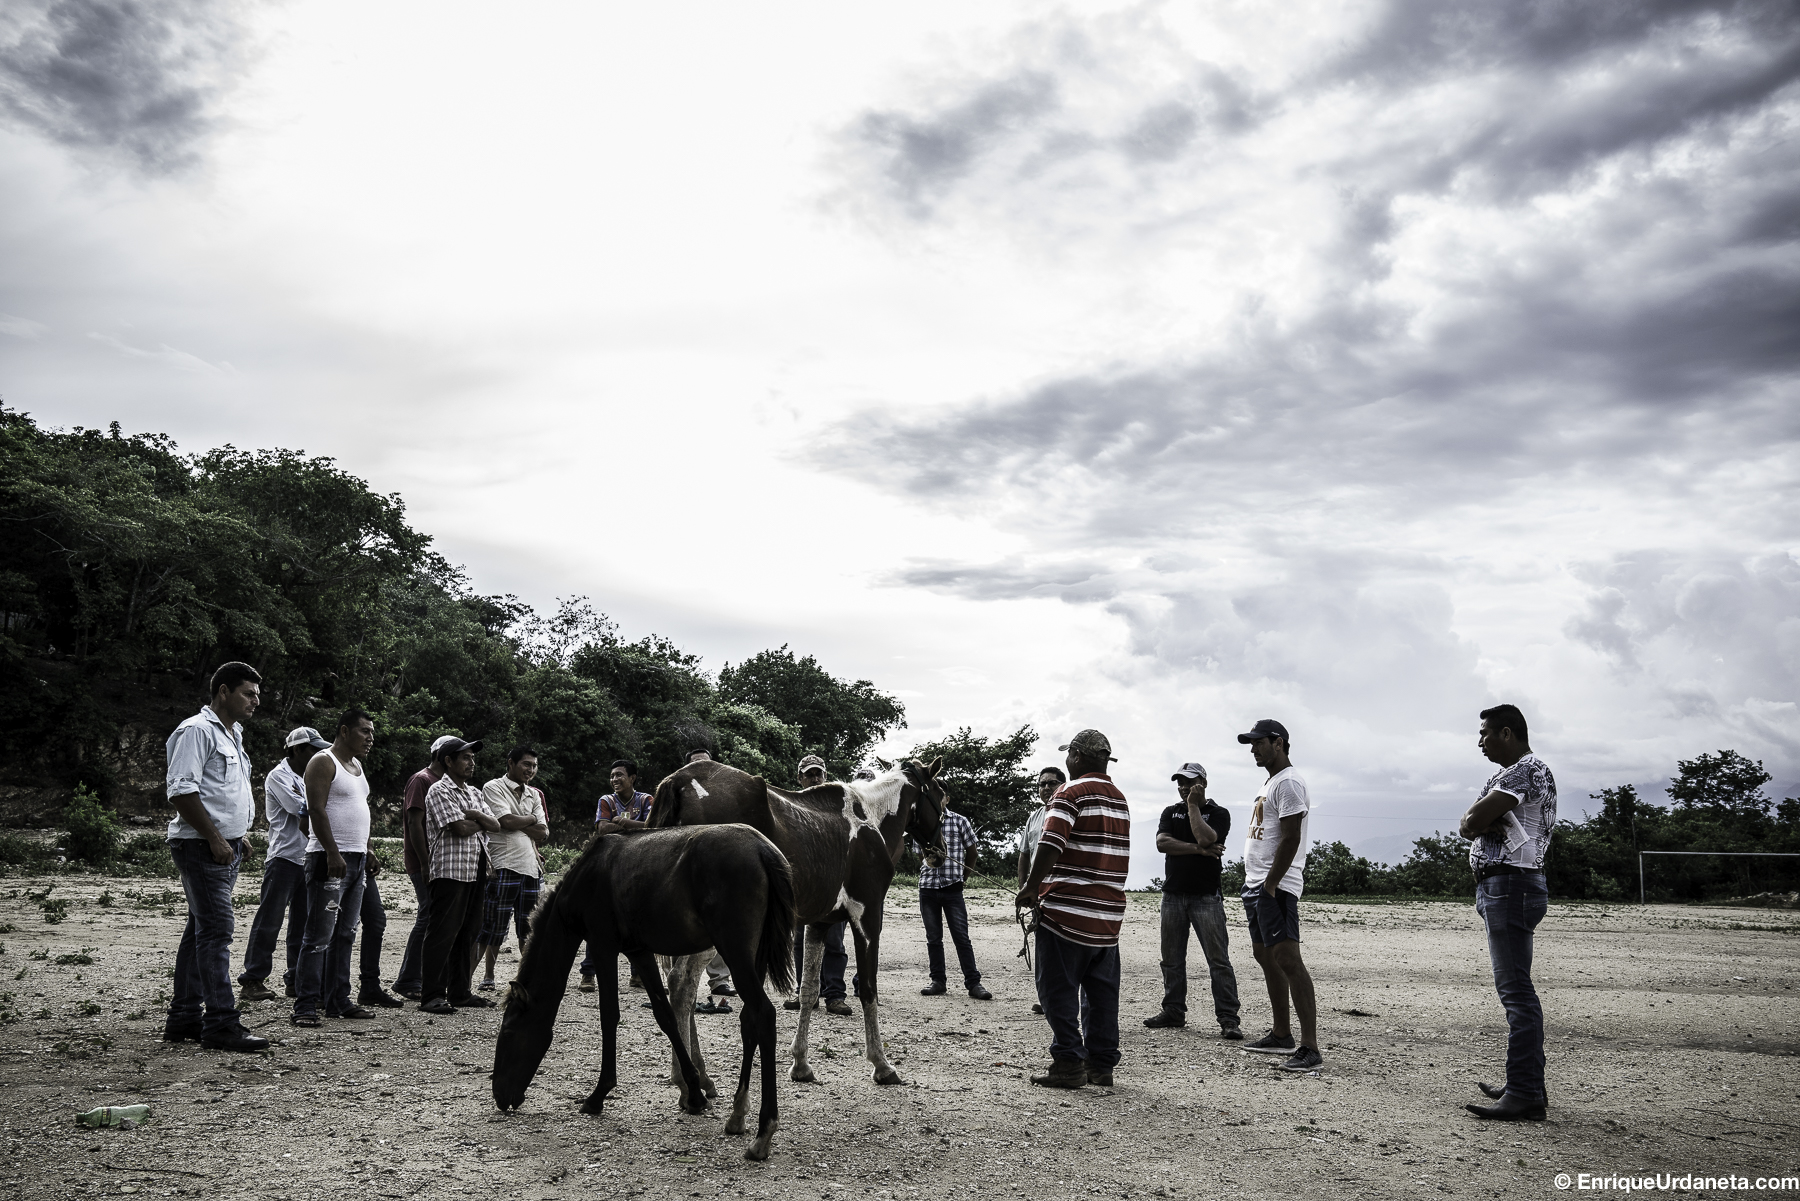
512, 889
1274, 875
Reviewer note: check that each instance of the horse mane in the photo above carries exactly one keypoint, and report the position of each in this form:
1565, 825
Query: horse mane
880, 797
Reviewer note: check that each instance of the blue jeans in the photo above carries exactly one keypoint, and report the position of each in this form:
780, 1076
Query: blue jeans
1205, 915
202, 990
374, 925
936, 906
412, 964
1511, 907
283, 899
332, 907
831, 972
1078, 986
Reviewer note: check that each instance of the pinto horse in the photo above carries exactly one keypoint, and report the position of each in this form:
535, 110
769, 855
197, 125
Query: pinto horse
649, 893
841, 841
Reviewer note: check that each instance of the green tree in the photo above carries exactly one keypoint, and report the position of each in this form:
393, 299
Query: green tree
837, 719
1725, 784
989, 784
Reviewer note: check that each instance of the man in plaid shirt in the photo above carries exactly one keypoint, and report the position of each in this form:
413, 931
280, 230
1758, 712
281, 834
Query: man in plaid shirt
941, 897
457, 824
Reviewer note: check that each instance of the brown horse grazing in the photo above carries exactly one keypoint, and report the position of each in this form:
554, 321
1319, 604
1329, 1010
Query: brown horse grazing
643, 894
841, 841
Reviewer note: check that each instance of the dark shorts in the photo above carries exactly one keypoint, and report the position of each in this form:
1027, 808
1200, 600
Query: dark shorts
1272, 919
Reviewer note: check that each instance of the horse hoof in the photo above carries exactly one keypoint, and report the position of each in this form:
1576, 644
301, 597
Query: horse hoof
758, 1150
711, 1089
696, 1106
734, 1124
802, 1076
591, 1106
888, 1076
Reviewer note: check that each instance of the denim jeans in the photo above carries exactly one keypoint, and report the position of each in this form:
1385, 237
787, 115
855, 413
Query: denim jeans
1512, 907
1205, 916
332, 908
450, 943
412, 963
937, 906
202, 990
1078, 986
283, 899
831, 973
374, 925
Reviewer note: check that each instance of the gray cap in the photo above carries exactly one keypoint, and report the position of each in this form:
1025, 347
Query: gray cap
450, 748
1090, 744
305, 736
810, 762
1190, 771
437, 743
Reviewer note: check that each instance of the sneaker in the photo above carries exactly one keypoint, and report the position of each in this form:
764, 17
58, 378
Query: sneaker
1168, 1019
839, 1006
486, 985
254, 990
587, 982
1231, 1034
1306, 1059
235, 1039
1272, 1044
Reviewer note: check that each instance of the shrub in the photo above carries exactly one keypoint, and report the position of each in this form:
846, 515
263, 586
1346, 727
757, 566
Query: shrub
26, 854
93, 831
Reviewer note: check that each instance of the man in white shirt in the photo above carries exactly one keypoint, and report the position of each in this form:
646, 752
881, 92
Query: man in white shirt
284, 869
1274, 875
512, 891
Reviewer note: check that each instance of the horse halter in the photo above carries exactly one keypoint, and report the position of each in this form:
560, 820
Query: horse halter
914, 820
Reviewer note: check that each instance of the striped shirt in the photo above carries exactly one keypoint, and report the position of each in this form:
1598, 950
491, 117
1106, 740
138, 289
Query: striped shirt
959, 836
1082, 900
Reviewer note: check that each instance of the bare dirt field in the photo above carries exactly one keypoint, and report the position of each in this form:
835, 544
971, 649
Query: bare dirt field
1673, 1036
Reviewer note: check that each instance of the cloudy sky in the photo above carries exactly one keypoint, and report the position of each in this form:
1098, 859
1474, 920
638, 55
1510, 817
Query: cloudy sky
1151, 367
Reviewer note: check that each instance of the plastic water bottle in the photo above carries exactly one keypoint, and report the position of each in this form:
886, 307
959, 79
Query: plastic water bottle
115, 1115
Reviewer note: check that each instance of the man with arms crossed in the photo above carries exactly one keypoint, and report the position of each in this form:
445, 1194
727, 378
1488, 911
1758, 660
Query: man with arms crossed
1511, 826
1077, 884
457, 825
337, 806
284, 869
1274, 867
209, 785
512, 893
1192, 836
418, 870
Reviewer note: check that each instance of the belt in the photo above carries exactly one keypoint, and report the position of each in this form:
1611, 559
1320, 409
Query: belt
1500, 869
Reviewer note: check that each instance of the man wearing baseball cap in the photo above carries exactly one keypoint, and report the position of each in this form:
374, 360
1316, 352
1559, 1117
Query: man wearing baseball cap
1274, 874
1077, 885
457, 824
1191, 836
417, 855
284, 868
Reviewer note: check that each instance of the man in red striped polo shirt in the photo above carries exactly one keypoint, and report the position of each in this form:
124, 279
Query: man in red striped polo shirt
1077, 884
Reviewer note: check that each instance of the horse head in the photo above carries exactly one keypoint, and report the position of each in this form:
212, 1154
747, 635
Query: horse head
927, 801
531, 1001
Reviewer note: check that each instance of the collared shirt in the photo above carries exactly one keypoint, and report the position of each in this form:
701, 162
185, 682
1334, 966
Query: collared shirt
513, 849
418, 858
454, 856
959, 836
207, 758
1522, 835
611, 808
1082, 900
284, 803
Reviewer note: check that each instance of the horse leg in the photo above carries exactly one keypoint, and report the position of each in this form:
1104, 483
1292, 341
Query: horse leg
868, 955
684, 986
740, 1100
609, 1027
693, 1100
809, 995
768, 1116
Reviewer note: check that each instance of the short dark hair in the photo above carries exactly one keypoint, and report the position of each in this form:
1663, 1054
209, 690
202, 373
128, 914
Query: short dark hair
628, 765
352, 715
1061, 776
1508, 717
230, 675
519, 752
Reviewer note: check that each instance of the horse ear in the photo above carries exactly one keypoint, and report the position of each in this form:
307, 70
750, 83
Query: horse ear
936, 766
883, 764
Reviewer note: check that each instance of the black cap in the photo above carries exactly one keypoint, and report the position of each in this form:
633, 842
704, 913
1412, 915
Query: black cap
1268, 727
452, 747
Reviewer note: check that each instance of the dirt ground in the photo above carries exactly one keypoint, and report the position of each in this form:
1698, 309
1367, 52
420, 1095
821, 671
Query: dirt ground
1672, 1043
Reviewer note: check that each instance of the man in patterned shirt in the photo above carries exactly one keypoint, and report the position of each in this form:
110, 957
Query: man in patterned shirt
457, 825
1077, 884
941, 898
1510, 826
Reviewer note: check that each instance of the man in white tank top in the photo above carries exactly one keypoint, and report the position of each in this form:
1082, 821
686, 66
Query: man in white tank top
337, 802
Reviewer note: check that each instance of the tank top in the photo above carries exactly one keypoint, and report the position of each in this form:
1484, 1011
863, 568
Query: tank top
346, 808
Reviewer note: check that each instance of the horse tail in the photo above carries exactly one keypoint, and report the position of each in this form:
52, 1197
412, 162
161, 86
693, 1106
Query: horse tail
665, 810
775, 949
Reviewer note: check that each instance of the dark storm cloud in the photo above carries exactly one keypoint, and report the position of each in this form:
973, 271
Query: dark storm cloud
140, 79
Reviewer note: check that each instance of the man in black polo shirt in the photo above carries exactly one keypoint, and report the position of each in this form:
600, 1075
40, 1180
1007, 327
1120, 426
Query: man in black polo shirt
1191, 836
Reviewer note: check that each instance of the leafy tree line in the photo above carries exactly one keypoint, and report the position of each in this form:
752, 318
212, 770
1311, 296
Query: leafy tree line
1717, 803
123, 561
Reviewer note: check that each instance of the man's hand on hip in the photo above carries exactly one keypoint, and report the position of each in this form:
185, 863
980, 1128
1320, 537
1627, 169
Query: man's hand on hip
222, 852
334, 865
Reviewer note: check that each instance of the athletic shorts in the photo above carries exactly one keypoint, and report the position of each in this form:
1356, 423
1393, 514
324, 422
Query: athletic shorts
1273, 919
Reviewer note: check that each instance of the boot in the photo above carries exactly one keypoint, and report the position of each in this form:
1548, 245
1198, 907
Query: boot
254, 990
1510, 1109
1099, 1076
1064, 1073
